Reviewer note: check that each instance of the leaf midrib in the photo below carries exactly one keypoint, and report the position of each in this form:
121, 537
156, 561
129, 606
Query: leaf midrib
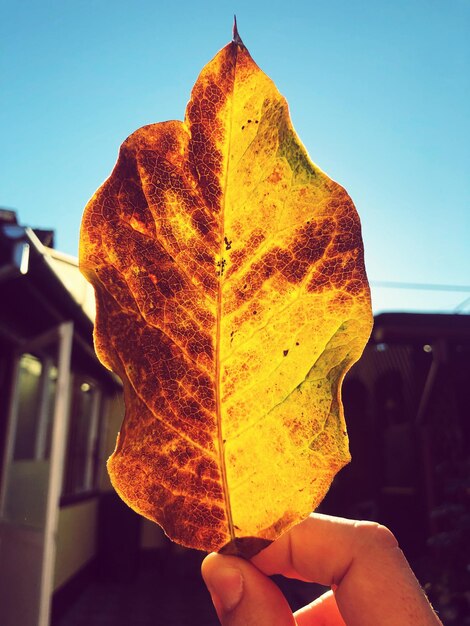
221, 442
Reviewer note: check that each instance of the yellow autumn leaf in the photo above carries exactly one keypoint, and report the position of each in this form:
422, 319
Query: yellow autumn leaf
231, 300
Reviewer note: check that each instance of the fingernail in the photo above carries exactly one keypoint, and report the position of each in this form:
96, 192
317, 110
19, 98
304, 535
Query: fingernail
226, 588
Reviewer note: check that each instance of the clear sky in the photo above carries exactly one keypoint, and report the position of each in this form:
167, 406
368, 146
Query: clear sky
378, 91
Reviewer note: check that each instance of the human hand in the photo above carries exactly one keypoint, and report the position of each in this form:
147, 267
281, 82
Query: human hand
372, 583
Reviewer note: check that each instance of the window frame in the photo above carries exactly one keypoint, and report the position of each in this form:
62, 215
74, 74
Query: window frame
90, 478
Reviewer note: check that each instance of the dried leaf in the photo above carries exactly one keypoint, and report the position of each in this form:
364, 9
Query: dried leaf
232, 299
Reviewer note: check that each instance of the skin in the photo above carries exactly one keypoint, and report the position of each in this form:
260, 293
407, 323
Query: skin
370, 579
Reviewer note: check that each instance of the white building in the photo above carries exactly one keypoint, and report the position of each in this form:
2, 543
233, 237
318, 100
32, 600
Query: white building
59, 413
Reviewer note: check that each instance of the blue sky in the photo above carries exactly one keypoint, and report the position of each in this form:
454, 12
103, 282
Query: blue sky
379, 93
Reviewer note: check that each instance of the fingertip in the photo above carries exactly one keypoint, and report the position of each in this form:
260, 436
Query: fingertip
242, 595
207, 563
224, 581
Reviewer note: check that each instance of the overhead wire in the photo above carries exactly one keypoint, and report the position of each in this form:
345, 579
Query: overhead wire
390, 284
419, 286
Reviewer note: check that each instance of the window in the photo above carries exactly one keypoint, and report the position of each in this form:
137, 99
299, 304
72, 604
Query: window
32, 422
35, 393
82, 455
26, 478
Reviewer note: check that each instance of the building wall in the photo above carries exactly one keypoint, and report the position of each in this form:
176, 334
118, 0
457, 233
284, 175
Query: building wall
50, 285
114, 417
76, 539
151, 536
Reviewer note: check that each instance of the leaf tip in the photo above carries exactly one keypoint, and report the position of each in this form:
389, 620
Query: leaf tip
236, 39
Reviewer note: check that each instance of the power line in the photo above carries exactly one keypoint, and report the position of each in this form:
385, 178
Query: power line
390, 284
461, 306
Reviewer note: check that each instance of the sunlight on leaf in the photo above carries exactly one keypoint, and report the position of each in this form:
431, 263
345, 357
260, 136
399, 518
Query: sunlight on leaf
231, 300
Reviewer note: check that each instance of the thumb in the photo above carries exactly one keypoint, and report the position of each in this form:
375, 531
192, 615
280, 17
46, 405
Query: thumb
242, 595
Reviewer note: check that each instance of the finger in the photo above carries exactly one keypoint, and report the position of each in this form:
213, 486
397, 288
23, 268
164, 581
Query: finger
242, 595
321, 612
375, 584
319, 549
